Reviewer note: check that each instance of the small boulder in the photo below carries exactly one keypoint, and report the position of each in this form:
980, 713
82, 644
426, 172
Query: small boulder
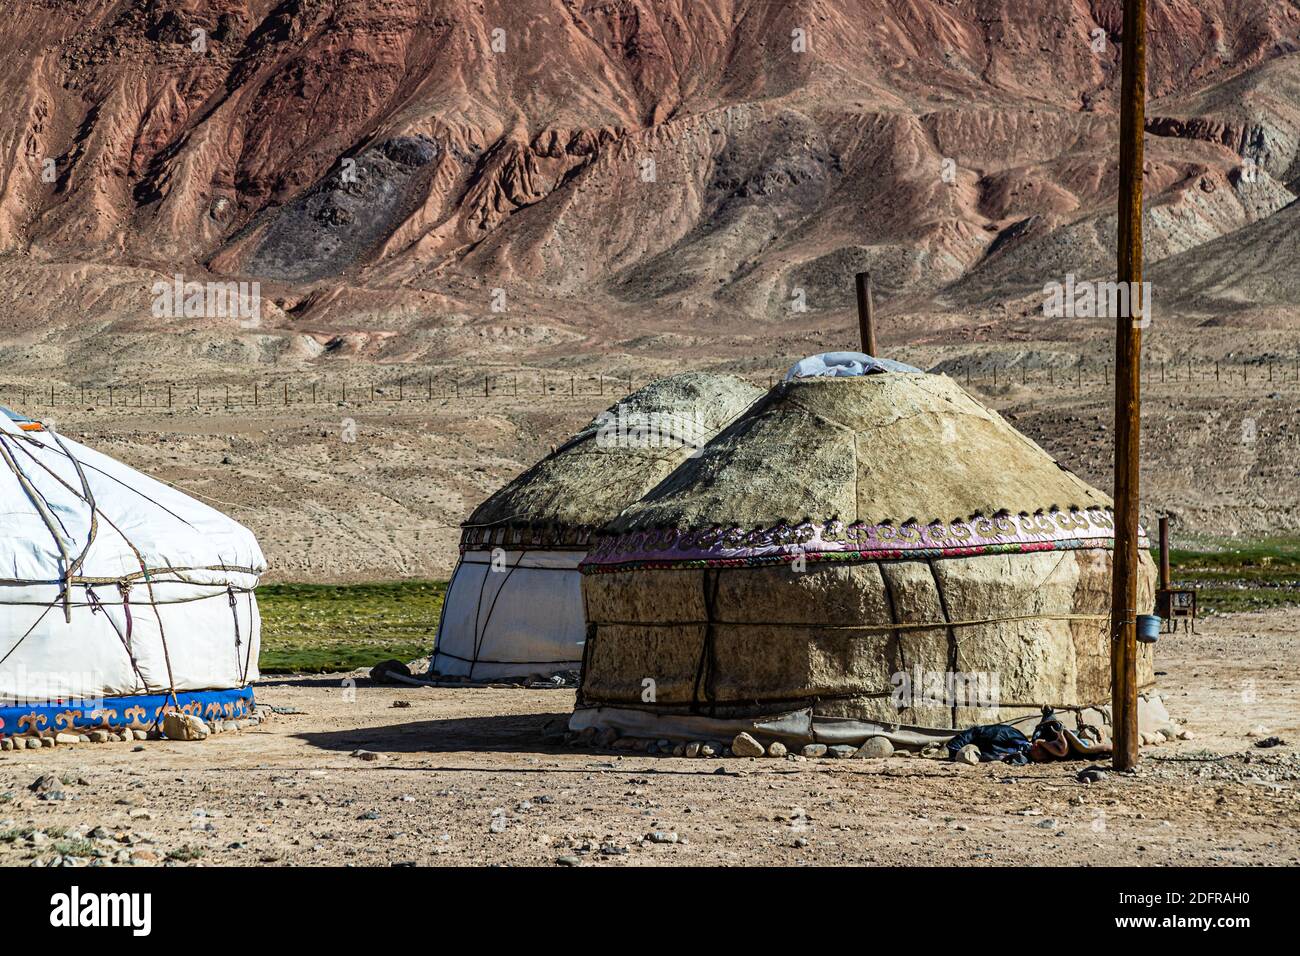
842, 751
970, 754
775, 749
813, 751
743, 745
179, 726
874, 748
382, 673
693, 748
63, 738
44, 783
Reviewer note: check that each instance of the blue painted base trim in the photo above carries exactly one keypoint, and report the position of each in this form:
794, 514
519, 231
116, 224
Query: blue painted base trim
140, 711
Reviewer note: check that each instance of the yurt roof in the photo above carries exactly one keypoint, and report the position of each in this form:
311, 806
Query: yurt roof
590, 478
891, 448
66, 502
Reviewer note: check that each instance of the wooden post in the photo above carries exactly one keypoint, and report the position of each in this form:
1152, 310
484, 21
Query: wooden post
866, 314
1164, 552
1128, 398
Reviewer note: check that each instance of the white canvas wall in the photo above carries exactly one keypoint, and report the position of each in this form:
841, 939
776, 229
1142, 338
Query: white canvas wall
525, 619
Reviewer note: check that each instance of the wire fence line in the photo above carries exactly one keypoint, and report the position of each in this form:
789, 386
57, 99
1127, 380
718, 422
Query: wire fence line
286, 391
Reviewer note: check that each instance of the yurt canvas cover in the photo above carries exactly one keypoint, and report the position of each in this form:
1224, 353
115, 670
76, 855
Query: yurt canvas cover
840, 552
526, 616
119, 596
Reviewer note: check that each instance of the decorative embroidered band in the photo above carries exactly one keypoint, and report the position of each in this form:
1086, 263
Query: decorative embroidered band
834, 540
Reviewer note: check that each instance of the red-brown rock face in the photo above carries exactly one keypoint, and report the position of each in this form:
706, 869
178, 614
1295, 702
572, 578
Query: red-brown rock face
699, 152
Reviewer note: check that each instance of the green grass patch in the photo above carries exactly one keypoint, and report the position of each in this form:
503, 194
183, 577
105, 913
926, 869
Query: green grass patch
1235, 576
79, 847
314, 628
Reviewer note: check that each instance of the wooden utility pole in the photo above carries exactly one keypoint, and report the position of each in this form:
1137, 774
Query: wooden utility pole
1164, 552
866, 314
1128, 406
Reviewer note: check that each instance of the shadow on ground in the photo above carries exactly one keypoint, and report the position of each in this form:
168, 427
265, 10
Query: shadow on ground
512, 733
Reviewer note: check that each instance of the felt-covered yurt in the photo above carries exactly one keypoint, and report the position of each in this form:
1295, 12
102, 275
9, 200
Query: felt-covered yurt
120, 597
514, 604
877, 554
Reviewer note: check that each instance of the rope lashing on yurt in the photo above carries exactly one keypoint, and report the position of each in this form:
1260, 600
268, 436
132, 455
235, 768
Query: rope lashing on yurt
97, 607
481, 631
707, 665
242, 666
42, 509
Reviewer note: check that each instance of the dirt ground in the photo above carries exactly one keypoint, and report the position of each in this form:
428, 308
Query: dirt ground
453, 761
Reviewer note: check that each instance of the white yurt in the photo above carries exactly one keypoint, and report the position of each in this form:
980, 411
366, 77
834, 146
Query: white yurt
514, 605
120, 597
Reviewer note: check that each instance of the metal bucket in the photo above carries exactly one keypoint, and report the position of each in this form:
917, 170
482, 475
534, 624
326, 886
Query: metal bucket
1148, 628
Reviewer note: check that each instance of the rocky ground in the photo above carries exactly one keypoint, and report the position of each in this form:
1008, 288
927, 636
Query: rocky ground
375, 775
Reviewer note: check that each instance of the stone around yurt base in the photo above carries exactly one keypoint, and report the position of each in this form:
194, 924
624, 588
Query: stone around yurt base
178, 726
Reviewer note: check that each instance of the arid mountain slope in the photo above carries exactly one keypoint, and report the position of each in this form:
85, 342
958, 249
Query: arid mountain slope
394, 170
